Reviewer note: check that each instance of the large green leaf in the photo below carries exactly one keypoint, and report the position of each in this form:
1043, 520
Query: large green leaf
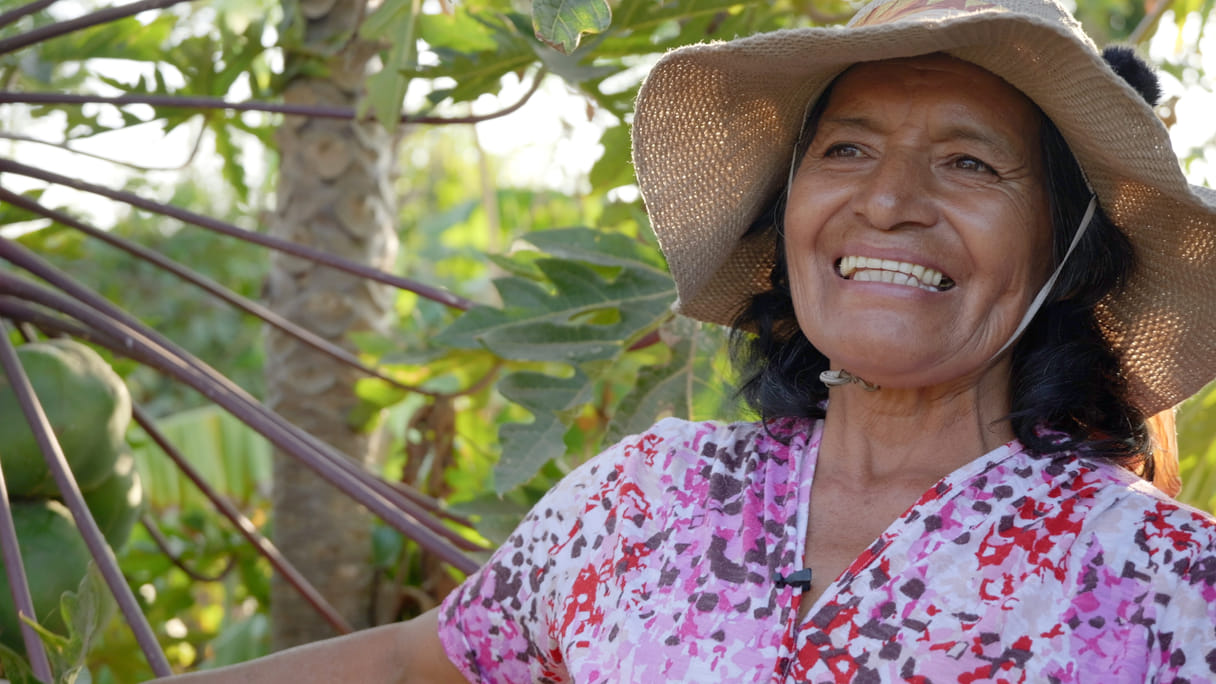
687, 386
528, 446
478, 68
396, 22
586, 317
563, 23
126, 38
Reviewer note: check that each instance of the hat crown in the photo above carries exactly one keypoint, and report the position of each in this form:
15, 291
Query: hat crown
878, 12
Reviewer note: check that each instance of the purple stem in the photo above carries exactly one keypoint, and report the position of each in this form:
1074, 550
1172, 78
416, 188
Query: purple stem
72, 497
115, 339
147, 345
303, 251
18, 583
162, 543
246, 527
20, 311
15, 14
208, 285
195, 102
89, 20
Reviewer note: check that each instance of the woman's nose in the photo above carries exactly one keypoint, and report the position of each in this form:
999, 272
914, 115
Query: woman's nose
897, 193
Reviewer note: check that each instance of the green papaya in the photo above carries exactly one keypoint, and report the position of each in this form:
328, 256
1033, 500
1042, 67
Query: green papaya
55, 559
87, 404
117, 501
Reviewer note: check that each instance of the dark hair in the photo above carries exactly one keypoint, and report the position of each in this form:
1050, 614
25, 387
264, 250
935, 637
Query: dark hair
1067, 389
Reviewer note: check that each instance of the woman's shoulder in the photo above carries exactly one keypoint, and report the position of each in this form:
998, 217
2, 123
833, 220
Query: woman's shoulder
1146, 531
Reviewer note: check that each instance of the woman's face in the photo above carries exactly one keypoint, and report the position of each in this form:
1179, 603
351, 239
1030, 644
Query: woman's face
919, 168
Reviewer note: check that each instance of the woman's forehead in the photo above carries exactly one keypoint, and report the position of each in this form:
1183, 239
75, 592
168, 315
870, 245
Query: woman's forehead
960, 98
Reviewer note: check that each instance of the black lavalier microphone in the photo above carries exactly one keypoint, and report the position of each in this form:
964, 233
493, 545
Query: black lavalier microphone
799, 578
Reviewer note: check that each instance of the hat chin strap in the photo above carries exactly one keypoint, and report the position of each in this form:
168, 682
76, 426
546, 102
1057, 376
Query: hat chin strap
1046, 289
837, 378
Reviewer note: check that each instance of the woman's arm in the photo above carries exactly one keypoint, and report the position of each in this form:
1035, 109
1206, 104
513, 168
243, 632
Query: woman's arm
400, 653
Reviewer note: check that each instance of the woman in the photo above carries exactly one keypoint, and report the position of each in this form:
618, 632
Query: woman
955, 348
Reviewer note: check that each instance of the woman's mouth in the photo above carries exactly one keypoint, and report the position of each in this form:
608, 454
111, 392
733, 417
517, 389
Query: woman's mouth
870, 269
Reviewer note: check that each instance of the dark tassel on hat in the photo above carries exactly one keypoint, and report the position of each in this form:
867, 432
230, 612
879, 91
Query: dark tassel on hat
1135, 71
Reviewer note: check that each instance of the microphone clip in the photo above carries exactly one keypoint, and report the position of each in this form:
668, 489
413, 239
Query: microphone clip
798, 579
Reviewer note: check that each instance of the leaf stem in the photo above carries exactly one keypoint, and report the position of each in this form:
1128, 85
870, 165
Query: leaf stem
208, 285
244, 526
312, 111
62, 28
13, 15
303, 251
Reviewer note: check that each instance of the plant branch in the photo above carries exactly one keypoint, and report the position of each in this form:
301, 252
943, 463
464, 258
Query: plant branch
303, 251
208, 285
13, 15
245, 526
23, 312
162, 543
312, 111
131, 338
103, 556
1144, 28
62, 28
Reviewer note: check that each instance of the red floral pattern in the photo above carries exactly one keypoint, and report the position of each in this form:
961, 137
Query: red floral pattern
653, 562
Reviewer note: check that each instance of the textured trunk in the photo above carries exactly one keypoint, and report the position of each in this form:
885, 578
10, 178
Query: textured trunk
335, 192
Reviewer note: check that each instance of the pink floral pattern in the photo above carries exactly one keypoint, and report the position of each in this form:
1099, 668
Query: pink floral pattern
653, 562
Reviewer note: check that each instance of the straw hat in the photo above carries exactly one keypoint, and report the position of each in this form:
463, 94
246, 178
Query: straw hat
716, 125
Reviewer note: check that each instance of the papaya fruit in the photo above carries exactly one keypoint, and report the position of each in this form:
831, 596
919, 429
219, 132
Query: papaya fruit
87, 404
56, 560
117, 501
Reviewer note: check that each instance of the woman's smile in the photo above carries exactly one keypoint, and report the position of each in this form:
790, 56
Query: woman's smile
891, 271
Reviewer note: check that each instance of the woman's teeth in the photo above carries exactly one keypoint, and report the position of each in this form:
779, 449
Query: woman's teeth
869, 269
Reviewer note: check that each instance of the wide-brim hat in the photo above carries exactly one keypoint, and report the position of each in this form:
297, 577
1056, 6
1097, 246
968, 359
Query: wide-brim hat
716, 125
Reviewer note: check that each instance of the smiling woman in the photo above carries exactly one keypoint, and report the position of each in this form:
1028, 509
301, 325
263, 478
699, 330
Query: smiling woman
951, 314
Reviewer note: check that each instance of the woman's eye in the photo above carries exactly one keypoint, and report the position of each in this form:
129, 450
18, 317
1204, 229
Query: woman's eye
973, 164
839, 150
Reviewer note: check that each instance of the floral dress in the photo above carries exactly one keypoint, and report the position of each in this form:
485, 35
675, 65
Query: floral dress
654, 562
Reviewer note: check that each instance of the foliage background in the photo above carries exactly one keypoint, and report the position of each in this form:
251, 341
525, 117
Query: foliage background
571, 344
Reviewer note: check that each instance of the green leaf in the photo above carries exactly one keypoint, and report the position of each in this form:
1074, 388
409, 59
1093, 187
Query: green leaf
233, 168
562, 23
660, 391
387, 546
614, 168
525, 448
126, 38
528, 446
600, 247
85, 612
550, 326
16, 668
541, 392
396, 22
458, 31
479, 72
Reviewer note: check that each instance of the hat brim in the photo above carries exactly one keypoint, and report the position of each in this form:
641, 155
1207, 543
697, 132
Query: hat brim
716, 125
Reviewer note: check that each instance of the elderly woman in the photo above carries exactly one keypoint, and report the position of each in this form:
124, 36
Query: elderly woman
966, 267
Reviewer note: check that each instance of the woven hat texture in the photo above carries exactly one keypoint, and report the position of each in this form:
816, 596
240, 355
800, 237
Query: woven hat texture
716, 125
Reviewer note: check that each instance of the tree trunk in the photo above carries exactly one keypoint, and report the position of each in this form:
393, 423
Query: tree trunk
335, 192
